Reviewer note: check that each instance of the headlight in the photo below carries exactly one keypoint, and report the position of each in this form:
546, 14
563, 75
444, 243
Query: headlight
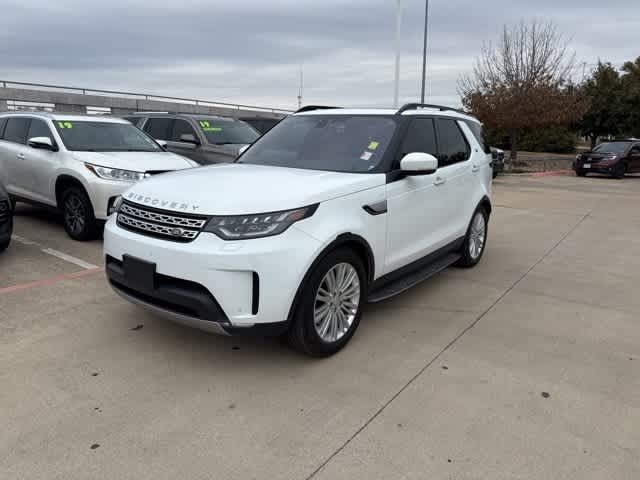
115, 173
579, 156
241, 227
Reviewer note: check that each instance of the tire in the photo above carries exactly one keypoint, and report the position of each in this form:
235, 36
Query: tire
305, 334
5, 244
470, 253
77, 214
619, 170
581, 172
495, 174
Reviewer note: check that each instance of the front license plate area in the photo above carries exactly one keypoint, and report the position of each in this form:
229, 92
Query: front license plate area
139, 273
586, 165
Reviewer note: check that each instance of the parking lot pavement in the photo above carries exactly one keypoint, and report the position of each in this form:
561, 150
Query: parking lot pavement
527, 366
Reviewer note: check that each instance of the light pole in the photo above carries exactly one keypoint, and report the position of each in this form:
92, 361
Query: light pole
424, 50
396, 88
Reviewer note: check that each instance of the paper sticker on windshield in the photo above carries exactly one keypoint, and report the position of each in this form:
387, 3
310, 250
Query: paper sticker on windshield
206, 126
373, 145
65, 125
366, 156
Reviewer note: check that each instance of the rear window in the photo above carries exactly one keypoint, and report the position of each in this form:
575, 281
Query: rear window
478, 132
16, 129
158, 128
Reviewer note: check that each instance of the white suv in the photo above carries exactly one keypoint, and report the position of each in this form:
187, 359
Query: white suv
330, 209
77, 163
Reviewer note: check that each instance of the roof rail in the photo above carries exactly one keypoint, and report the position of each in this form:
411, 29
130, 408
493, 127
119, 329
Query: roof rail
416, 106
310, 108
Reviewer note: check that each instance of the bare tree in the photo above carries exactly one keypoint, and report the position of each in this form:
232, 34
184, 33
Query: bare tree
524, 81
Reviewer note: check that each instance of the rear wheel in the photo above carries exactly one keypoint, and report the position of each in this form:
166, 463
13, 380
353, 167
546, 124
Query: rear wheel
77, 213
330, 306
476, 239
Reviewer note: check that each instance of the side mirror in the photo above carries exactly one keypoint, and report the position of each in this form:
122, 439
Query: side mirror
419, 163
43, 143
243, 149
162, 143
189, 138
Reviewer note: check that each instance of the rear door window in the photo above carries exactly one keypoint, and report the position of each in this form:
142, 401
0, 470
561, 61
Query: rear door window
134, 120
452, 146
159, 128
3, 121
478, 132
16, 129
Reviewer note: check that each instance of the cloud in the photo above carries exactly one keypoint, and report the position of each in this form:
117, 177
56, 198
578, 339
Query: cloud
249, 51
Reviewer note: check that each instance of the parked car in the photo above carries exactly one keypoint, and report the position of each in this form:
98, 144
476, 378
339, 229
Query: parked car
497, 161
205, 139
261, 124
615, 158
6, 219
328, 210
78, 164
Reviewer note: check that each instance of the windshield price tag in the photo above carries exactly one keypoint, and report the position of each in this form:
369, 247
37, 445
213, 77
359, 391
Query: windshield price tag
206, 126
64, 125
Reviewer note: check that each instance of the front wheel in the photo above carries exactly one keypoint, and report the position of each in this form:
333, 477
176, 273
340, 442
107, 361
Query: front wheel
4, 244
619, 170
77, 212
581, 172
475, 240
330, 305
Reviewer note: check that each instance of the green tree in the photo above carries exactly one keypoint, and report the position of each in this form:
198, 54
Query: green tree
523, 82
631, 98
604, 96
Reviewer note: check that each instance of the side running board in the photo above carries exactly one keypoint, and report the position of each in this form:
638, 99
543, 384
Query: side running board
412, 278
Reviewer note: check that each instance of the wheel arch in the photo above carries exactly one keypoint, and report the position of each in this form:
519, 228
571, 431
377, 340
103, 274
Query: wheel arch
65, 181
486, 204
349, 240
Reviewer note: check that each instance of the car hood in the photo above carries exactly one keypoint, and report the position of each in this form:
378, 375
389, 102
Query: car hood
136, 161
236, 189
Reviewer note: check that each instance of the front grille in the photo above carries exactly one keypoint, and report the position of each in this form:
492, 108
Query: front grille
5, 210
159, 223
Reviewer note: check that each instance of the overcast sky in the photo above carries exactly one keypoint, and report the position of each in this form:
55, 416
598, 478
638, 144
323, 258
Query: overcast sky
250, 51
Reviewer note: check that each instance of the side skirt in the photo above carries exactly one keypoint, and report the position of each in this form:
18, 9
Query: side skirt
410, 275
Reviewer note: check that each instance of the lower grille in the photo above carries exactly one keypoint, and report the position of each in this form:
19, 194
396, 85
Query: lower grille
160, 223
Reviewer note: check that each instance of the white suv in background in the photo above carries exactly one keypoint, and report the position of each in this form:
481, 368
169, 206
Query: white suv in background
330, 209
78, 164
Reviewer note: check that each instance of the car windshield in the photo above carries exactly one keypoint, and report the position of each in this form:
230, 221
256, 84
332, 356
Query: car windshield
612, 147
88, 136
223, 131
338, 143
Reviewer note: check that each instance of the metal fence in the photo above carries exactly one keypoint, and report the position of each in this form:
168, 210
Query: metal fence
144, 96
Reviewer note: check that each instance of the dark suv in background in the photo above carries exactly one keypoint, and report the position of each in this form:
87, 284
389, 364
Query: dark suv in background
205, 139
614, 158
6, 219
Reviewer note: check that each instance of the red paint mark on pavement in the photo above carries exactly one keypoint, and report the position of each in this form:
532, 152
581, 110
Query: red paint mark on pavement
552, 173
50, 280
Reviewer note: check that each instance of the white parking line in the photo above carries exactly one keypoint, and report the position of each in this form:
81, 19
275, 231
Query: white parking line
55, 253
69, 258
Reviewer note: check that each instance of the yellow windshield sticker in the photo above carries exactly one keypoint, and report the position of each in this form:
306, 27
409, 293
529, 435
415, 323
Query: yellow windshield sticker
65, 124
373, 145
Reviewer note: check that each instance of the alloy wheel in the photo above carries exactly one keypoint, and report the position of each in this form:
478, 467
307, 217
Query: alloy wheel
336, 303
74, 214
477, 236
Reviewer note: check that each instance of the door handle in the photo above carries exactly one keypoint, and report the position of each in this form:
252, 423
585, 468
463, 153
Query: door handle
475, 168
439, 181
21, 156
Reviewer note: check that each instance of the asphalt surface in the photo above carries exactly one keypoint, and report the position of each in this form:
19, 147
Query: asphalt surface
527, 366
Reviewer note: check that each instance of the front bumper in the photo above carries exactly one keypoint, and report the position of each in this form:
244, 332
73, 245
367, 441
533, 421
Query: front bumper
103, 193
606, 168
211, 284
